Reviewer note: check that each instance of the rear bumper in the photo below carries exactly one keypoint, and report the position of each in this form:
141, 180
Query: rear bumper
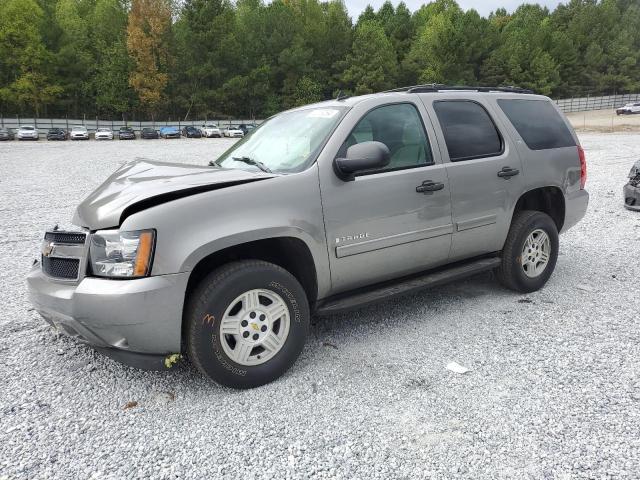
631, 196
123, 318
576, 204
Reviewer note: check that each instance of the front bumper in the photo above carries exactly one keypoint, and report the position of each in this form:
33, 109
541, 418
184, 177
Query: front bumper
631, 196
137, 322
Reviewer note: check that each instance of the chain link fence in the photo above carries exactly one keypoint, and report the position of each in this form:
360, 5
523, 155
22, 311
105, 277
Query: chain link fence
567, 105
585, 104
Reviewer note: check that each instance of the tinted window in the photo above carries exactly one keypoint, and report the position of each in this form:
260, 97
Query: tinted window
468, 130
399, 127
538, 123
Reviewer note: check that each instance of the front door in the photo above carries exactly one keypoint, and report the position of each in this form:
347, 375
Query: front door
395, 221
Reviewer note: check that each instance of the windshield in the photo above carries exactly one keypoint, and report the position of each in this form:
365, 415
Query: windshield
104, 130
28, 128
78, 129
286, 143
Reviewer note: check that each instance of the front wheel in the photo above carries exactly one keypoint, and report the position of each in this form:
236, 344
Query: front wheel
530, 252
247, 323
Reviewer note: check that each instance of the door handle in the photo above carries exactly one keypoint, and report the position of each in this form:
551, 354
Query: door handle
429, 186
507, 172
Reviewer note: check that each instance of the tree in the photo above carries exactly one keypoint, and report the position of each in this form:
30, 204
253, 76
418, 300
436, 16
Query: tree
148, 39
113, 95
23, 59
371, 65
443, 51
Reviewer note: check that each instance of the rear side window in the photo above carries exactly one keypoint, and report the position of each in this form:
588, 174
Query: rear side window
538, 123
468, 130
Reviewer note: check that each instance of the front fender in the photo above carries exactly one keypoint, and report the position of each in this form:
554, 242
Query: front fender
191, 228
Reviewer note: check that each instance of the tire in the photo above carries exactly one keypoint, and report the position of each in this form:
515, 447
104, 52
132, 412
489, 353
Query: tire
217, 301
512, 273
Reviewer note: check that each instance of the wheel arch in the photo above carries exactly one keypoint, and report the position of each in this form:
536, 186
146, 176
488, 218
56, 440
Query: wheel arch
290, 253
549, 200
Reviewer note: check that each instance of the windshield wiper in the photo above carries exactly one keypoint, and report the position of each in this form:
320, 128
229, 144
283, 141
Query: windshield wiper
251, 161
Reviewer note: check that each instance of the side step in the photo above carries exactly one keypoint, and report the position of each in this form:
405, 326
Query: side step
375, 293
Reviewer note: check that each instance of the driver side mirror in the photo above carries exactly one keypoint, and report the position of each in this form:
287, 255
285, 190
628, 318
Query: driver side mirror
362, 156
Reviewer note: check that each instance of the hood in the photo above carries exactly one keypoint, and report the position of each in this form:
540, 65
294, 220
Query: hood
145, 183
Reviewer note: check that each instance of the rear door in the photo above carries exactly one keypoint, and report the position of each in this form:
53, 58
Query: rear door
484, 170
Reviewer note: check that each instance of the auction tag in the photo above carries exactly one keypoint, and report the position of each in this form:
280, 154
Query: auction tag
322, 113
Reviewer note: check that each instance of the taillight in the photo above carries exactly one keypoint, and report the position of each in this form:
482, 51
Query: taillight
583, 167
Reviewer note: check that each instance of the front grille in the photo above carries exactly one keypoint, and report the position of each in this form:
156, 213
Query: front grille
72, 238
66, 268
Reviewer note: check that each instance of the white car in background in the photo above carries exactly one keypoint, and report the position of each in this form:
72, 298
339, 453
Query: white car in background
628, 109
211, 130
104, 134
79, 132
233, 131
27, 132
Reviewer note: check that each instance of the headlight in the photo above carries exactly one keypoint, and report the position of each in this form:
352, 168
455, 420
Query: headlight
122, 254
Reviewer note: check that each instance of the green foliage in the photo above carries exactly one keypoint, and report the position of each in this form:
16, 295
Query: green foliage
371, 66
188, 58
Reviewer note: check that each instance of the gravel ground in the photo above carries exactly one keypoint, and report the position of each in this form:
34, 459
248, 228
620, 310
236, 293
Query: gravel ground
552, 390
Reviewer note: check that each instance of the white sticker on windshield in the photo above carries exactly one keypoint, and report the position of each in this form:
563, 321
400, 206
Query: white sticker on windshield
322, 113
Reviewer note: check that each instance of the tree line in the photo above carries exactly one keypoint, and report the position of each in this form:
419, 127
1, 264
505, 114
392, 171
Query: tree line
249, 58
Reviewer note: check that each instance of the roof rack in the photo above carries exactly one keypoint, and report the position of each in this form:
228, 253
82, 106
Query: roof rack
436, 87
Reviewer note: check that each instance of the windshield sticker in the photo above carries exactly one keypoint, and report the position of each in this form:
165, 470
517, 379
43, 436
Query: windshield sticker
322, 113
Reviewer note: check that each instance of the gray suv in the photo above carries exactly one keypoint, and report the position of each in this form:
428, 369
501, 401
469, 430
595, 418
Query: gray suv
322, 208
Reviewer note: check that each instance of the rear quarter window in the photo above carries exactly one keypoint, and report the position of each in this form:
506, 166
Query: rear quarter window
538, 123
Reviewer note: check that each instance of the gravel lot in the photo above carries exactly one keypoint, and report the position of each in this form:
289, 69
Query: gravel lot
553, 389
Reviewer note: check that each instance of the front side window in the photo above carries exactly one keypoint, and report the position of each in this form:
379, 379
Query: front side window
400, 128
468, 130
286, 143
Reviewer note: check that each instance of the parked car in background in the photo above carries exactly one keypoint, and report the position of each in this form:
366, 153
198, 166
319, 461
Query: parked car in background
233, 131
57, 134
191, 132
6, 134
27, 132
79, 132
211, 130
247, 127
149, 133
104, 133
631, 191
170, 132
126, 133
628, 109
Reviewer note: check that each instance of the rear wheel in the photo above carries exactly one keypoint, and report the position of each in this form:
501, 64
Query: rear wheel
247, 323
530, 252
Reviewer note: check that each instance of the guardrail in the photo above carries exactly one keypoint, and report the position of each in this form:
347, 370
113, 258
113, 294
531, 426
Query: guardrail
44, 124
583, 104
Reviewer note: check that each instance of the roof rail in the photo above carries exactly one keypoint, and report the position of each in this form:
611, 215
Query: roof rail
436, 87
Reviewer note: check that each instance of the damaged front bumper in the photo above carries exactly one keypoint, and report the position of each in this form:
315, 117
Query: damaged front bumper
631, 191
136, 322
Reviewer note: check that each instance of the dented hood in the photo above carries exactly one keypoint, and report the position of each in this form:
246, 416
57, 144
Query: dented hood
144, 183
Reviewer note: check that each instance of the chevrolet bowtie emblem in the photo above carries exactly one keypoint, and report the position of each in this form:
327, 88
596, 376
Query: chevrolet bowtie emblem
47, 249
255, 326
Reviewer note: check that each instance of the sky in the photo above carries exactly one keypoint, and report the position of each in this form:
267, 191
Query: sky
483, 7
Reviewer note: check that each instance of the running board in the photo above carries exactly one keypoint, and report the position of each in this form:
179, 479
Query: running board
376, 293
